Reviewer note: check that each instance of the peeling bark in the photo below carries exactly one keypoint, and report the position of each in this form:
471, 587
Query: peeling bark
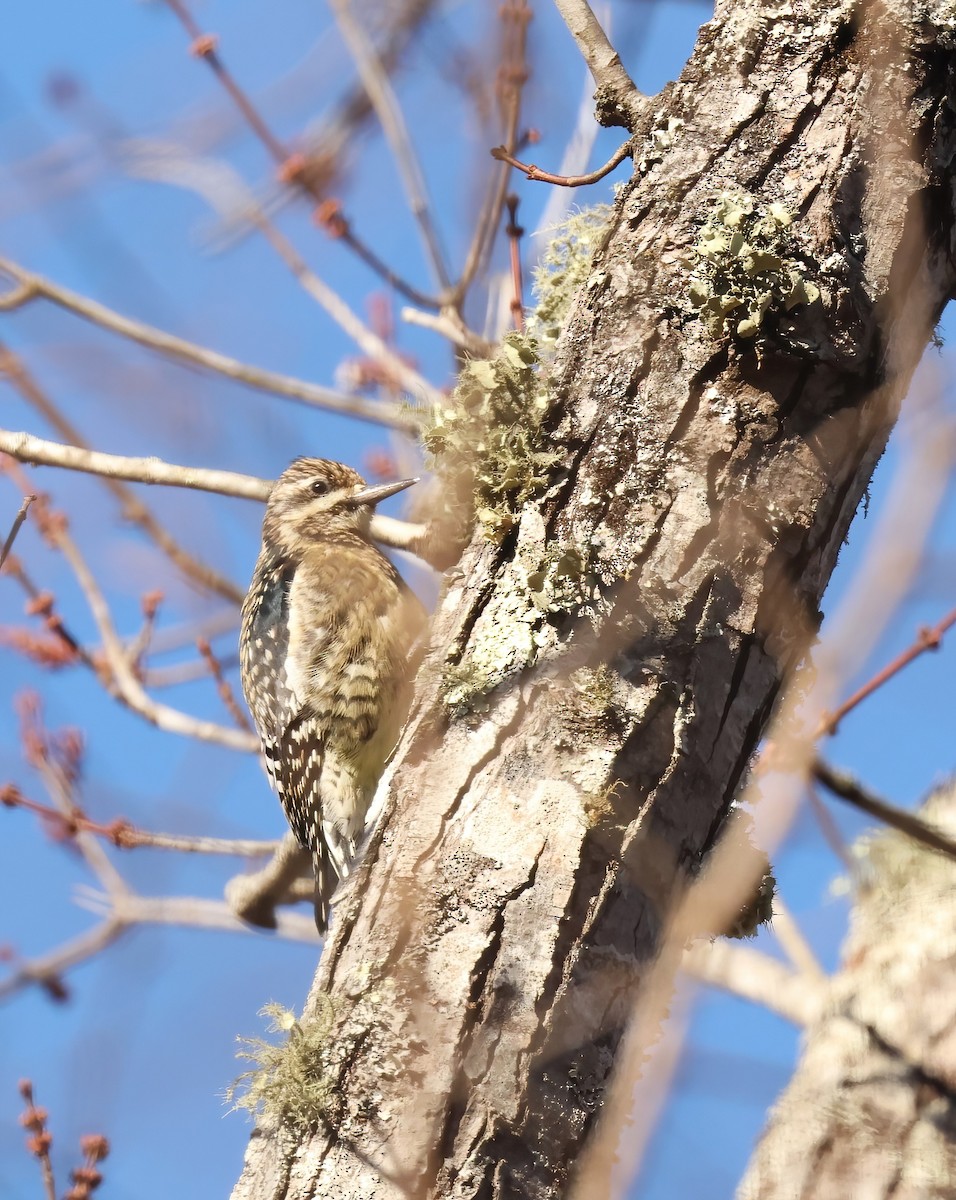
871, 1110
485, 961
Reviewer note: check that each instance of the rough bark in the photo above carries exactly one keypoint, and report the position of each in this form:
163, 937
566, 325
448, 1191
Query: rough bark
871, 1110
483, 968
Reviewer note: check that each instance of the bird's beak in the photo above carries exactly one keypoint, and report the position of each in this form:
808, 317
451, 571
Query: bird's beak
372, 495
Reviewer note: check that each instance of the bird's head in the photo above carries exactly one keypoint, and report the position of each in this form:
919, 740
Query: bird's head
316, 500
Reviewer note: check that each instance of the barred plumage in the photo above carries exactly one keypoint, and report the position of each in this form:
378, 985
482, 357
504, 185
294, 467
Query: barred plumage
327, 626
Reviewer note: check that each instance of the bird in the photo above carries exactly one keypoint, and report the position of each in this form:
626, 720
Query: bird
327, 629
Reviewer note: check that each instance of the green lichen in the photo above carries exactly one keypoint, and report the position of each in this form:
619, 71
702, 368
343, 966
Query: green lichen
488, 440
746, 265
560, 581
465, 688
289, 1083
536, 591
562, 269
659, 141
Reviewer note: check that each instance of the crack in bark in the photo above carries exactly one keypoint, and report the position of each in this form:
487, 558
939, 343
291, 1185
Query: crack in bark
706, 534
747, 642
475, 1013
937, 1083
502, 733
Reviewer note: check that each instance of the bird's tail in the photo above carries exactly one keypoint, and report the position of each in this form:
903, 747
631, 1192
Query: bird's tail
326, 881
332, 858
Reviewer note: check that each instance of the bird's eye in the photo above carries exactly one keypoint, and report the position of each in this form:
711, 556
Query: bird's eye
318, 487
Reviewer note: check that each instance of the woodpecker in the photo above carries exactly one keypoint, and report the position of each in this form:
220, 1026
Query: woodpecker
327, 626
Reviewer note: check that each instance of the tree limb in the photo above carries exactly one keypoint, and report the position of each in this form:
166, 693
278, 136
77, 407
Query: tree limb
31, 285
390, 531
618, 100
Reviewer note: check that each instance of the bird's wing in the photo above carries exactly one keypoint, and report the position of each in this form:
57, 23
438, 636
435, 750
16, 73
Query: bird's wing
265, 647
299, 760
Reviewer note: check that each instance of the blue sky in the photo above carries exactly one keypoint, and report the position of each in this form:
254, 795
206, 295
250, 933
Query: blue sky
146, 1045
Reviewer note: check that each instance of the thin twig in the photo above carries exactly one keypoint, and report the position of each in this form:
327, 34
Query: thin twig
187, 671
515, 232
132, 507
831, 832
15, 527
254, 897
60, 785
128, 687
326, 140
201, 356
121, 913
291, 166
754, 976
390, 531
126, 836
791, 939
51, 967
448, 324
122, 681
383, 99
41, 604
34, 1120
512, 76
194, 912
222, 686
138, 648
577, 152
570, 181
405, 377
845, 787
620, 97
926, 639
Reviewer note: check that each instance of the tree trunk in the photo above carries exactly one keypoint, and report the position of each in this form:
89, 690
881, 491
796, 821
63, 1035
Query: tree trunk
871, 1110
483, 967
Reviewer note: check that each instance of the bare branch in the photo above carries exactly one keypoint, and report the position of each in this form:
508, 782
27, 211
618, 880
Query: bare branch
59, 785
390, 531
127, 837
50, 967
791, 939
254, 897
34, 1120
125, 685
753, 976
178, 673
185, 844
41, 604
845, 787
28, 449
512, 76
926, 639
618, 100
372, 345
515, 232
222, 686
195, 912
33, 285
133, 508
122, 912
292, 168
448, 324
570, 181
383, 99
15, 527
